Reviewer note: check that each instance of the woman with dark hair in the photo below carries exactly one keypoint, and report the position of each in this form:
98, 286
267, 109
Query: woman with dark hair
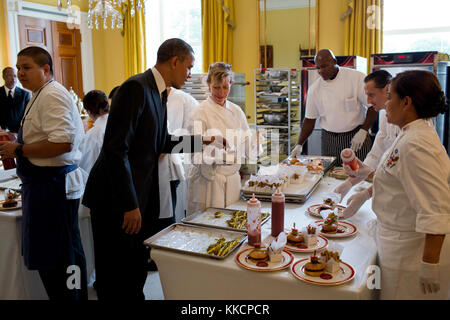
411, 194
96, 104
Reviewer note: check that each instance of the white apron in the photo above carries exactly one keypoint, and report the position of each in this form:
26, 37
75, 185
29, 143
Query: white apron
411, 192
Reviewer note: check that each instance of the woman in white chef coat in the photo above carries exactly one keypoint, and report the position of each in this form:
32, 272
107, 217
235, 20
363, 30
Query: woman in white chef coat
212, 184
96, 104
411, 194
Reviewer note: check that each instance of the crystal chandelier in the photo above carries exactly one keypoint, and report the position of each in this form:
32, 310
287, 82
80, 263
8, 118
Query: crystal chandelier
109, 8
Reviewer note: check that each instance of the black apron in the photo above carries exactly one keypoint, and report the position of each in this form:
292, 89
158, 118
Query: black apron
45, 244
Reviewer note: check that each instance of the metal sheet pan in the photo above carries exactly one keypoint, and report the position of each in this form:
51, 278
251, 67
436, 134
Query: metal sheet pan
328, 162
299, 197
201, 219
161, 239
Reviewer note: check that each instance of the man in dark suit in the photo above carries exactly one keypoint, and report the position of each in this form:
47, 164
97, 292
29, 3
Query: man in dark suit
13, 101
122, 190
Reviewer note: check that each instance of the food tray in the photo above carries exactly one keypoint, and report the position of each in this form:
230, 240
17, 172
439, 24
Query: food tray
207, 219
294, 193
192, 240
328, 162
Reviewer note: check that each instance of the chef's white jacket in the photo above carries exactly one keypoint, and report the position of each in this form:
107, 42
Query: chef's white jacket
411, 199
92, 143
212, 185
386, 135
170, 167
340, 104
54, 117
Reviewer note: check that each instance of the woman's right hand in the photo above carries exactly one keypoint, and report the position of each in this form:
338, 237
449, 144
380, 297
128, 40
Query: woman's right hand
362, 172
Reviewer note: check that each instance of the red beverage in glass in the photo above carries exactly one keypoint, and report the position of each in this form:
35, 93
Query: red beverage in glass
8, 163
277, 213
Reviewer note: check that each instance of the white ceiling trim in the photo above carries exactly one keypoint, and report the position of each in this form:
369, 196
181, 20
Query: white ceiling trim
285, 4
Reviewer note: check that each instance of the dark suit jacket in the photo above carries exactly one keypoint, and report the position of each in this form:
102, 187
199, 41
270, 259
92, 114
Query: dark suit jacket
11, 115
125, 175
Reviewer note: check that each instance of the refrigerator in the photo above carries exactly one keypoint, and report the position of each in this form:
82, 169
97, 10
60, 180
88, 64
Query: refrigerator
432, 61
309, 74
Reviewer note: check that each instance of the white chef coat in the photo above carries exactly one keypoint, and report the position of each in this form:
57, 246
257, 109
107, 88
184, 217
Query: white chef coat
54, 117
340, 104
385, 137
411, 199
92, 143
170, 167
213, 185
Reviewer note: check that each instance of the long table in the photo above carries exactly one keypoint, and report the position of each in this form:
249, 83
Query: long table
190, 277
16, 281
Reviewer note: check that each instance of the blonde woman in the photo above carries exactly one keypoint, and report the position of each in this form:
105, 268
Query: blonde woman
213, 183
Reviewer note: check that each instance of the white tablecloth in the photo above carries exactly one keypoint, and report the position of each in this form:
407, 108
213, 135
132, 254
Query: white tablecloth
190, 277
16, 281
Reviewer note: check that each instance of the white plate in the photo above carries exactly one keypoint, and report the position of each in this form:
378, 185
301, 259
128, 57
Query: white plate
345, 274
322, 243
346, 230
19, 205
243, 261
314, 209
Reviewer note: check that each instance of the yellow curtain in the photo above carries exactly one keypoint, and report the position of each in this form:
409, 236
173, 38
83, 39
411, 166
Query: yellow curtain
5, 56
217, 31
134, 41
363, 27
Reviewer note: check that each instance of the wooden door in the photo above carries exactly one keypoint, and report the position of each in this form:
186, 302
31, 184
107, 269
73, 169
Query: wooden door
35, 32
62, 43
67, 57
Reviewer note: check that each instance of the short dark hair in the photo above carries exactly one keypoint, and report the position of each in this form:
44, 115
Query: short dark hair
6, 69
173, 48
39, 55
381, 78
424, 90
95, 101
113, 91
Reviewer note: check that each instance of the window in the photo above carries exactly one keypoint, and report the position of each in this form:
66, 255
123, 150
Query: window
416, 25
165, 19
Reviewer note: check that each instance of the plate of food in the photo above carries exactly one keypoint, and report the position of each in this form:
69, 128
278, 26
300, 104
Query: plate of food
13, 201
316, 209
315, 271
304, 243
332, 228
257, 259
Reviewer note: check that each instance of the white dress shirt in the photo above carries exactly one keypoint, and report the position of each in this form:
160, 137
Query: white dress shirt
13, 90
340, 104
54, 117
385, 137
92, 143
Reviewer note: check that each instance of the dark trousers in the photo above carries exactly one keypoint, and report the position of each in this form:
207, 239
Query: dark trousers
173, 190
61, 283
120, 258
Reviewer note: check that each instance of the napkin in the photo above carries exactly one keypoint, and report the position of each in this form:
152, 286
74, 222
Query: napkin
276, 247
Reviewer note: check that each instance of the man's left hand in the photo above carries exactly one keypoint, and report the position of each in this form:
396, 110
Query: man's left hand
358, 140
7, 149
429, 277
219, 140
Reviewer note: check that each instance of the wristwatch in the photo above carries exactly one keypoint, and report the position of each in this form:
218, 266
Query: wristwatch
19, 151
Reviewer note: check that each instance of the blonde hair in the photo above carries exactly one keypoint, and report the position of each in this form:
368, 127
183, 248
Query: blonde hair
219, 71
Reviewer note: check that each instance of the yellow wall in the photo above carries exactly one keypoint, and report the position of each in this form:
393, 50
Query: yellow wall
109, 68
245, 48
287, 30
331, 28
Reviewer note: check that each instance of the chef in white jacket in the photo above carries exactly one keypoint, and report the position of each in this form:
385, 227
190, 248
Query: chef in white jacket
170, 166
376, 88
213, 183
411, 193
96, 104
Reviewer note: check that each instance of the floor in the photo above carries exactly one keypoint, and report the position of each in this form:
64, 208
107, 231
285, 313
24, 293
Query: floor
152, 288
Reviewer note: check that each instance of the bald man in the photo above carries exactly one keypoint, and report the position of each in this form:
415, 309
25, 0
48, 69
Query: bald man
338, 100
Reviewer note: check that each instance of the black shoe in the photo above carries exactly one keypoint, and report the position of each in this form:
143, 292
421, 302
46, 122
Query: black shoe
151, 266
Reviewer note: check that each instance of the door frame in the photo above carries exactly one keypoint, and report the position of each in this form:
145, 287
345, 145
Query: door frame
16, 8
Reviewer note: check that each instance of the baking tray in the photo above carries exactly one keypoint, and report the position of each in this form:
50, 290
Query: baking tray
295, 193
181, 245
202, 219
328, 162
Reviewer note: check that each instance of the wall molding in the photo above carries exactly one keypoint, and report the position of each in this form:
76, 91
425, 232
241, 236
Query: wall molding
17, 8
